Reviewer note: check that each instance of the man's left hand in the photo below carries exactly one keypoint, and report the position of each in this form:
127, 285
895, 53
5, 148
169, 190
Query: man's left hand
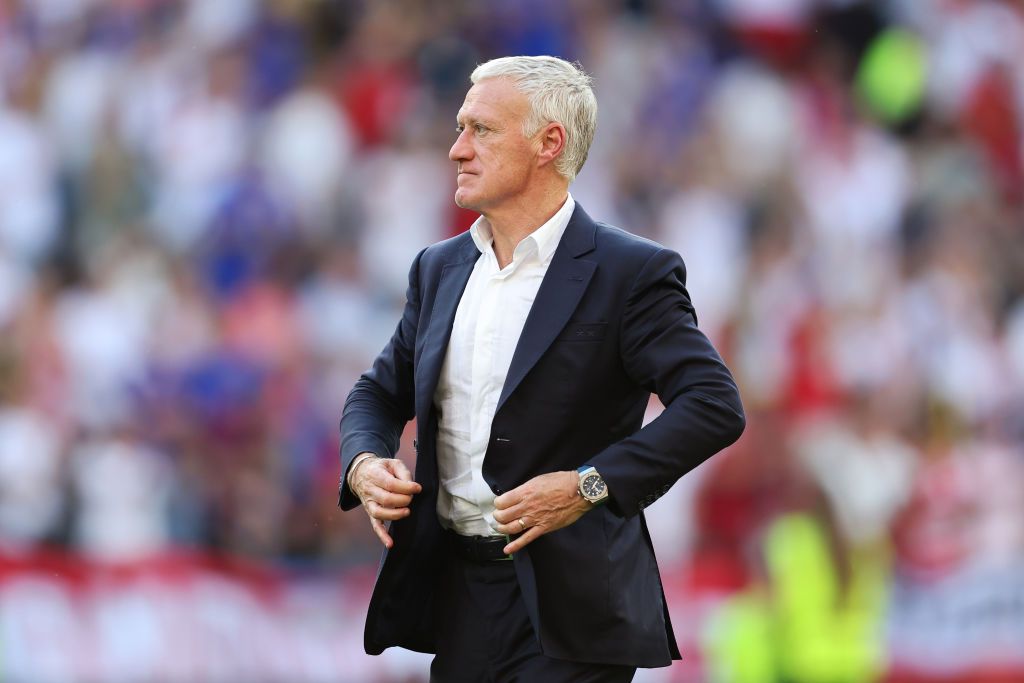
541, 505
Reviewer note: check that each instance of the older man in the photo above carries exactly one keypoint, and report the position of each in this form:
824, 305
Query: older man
527, 352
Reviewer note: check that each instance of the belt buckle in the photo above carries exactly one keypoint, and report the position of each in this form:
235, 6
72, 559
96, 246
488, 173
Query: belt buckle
508, 539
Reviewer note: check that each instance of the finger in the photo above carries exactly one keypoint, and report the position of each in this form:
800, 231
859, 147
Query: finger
509, 498
389, 481
378, 511
399, 469
388, 500
514, 527
528, 537
382, 532
509, 515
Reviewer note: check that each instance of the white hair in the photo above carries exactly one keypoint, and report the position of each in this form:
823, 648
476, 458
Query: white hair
558, 91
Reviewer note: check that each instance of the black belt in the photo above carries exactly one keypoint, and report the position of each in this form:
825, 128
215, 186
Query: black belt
480, 548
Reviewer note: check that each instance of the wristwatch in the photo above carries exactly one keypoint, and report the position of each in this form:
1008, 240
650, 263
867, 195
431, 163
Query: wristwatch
592, 486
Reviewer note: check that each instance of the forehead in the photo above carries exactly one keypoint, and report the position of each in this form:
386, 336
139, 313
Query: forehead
494, 99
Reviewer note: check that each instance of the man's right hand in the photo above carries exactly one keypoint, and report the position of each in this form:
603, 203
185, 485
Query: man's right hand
385, 488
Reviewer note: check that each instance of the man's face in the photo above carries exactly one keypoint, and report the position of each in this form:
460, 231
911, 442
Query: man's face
496, 163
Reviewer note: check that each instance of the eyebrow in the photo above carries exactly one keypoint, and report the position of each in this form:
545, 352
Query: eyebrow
470, 119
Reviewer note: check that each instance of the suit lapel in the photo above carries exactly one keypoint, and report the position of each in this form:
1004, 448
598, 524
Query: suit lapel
559, 294
450, 287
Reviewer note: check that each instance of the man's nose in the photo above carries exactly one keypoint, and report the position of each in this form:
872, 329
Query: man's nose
461, 150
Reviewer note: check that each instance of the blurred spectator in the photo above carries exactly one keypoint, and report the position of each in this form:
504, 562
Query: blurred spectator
29, 197
121, 489
31, 500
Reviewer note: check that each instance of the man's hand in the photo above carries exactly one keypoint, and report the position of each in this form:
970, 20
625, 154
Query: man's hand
386, 488
543, 504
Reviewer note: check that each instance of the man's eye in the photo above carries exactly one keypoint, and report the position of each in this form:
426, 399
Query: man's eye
459, 129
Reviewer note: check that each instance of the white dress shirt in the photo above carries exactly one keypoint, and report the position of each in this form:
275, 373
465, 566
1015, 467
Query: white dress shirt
487, 326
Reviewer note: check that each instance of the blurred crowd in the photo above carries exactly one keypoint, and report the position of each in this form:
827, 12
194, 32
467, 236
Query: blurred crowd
208, 210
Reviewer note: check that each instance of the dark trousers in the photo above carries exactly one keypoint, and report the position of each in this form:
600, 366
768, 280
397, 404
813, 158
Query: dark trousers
485, 636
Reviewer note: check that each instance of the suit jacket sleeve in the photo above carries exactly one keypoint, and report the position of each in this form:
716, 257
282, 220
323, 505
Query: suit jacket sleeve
383, 399
664, 352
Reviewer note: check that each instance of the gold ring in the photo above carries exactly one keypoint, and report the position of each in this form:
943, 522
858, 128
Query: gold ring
522, 524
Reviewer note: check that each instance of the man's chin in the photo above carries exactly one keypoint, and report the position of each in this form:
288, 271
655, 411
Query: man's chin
464, 202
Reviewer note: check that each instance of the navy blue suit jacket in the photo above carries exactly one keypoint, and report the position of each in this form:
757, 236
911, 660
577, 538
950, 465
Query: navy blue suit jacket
612, 322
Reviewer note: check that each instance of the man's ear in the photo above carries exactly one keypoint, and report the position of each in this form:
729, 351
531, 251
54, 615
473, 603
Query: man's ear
552, 142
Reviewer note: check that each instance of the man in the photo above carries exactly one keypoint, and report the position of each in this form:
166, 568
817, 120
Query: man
527, 351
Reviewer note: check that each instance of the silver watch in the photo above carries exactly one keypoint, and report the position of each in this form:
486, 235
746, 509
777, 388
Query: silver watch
592, 486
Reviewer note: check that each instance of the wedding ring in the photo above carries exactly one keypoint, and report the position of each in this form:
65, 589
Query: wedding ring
522, 524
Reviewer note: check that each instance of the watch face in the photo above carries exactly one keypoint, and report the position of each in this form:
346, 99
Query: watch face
593, 486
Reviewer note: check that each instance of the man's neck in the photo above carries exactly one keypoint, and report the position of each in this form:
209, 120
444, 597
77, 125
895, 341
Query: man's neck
512, 224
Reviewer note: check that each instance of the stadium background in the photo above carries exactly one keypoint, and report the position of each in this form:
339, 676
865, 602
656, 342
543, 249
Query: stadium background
207, 211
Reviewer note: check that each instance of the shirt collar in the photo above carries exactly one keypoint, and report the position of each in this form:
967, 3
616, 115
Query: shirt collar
545, 238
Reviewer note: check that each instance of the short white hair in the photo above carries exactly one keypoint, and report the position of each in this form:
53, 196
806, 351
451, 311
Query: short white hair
558, 91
